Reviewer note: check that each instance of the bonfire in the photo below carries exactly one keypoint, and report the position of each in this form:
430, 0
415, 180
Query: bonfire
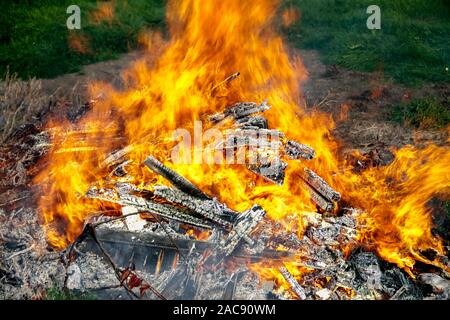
207, 176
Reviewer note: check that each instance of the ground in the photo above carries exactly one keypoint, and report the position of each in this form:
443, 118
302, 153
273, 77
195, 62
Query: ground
370, 99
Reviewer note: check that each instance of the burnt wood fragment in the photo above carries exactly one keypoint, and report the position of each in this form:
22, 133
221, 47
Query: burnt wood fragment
295, 286
320, 185
240, 110
245, 224
176, 179
321, 202
296, 150
210, 209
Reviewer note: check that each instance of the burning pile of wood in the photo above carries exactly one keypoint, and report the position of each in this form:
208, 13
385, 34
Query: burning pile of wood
186, 204
181, 266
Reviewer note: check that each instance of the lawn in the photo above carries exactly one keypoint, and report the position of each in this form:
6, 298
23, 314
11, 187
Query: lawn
412, 47
35, 41
428, 113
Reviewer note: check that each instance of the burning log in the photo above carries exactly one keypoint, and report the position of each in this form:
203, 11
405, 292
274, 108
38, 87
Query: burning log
295, 286
272, 170
177, 180
297, 150
320, 185
210, 209
164, 210
244, 225
252, 138
248, 141
240, 110
323, 203
256, 122
255, 133
116, 157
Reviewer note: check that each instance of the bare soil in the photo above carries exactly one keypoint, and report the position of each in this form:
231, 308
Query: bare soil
369, 99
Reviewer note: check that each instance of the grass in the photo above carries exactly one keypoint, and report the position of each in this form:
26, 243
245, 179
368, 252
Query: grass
20, 103
423, 113
35, 41
59, 294
411, 48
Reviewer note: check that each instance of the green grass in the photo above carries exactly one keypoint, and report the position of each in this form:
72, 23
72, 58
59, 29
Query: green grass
59, 294
424, 113
447, 208
412, 46
34, 39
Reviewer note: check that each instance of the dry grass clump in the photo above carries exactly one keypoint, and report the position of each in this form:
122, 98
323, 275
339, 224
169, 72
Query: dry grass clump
20, 102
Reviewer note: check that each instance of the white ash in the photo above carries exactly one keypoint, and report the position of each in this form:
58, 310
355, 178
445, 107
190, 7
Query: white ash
28, 269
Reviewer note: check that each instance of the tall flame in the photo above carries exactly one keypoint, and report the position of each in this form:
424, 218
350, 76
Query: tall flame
209, 41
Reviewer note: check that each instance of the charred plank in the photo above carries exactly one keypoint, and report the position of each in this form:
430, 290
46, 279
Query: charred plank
176, 179
273, 170
296, 150
167, 211
320, 185
295, 286
240, 110
255, 121
323, 203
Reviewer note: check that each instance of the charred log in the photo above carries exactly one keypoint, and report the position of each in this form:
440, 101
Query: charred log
296, 150
295, 286
253, 122
321, 202
273, 170
176, 179
164, 210
240, 110
320, 185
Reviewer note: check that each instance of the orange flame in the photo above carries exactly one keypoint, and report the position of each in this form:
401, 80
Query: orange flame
395, 197
209, 41
79, 43
103, 13
290, 16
